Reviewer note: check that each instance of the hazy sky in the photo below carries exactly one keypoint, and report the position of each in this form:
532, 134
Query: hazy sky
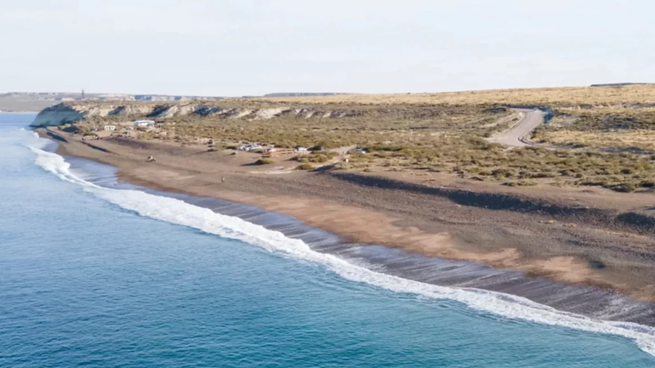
239, 47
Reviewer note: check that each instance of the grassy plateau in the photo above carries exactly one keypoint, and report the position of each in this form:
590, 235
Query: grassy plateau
598, 136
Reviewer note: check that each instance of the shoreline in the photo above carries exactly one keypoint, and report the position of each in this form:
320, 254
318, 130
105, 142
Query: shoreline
587, 301
418, 241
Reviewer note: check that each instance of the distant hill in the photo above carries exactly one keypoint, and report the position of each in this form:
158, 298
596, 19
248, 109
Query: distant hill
303, 94
37, 101
618, 84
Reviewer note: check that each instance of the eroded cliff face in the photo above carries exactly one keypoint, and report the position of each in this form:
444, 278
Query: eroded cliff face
57, 115
65, 113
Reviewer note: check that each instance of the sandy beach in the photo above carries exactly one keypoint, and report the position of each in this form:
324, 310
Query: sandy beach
566, 235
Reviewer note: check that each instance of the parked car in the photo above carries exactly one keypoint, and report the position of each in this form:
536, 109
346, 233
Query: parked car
249, 147
361, 150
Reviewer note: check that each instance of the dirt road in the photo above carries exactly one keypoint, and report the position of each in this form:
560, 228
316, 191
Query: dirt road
515, 137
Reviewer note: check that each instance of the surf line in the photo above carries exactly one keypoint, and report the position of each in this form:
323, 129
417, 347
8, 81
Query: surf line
179, 212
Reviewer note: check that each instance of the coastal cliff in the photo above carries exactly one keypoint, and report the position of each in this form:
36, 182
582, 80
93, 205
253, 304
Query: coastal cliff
57, 115
71, 112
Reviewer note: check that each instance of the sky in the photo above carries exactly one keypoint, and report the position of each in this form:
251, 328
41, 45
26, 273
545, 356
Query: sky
253, 47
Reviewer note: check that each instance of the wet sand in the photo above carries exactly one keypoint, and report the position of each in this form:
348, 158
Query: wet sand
415, 228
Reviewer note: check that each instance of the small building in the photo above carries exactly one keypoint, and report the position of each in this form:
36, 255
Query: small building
144, 123
110, 127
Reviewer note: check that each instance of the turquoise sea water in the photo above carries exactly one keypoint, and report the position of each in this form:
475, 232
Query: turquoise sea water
116, 278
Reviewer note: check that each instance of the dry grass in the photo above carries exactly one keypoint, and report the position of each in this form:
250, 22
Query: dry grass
609, 128
443, 133
476, 159
402, 125
606, 118
639, 139
437, 138
570, 96
553, 97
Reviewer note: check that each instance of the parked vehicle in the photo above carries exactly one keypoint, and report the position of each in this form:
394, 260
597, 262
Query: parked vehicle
249, 147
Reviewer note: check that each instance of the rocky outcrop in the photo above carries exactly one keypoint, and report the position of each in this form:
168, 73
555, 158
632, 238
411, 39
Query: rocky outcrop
204, 110
265, 114
57, 115
169, 111
131, 110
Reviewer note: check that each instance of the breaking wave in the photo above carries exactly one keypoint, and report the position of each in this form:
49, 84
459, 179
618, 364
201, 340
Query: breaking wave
179, 212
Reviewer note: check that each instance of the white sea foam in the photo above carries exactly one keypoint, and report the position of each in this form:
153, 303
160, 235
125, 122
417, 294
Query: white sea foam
182, 213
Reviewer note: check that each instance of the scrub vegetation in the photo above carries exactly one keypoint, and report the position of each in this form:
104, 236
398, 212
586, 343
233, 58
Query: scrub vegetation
628, 129
596, 137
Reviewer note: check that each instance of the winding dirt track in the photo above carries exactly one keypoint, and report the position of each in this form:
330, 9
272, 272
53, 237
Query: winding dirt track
516, 137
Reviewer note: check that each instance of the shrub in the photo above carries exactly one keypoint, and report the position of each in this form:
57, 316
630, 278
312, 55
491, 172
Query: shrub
503, 173
340, 166
320, 158
526, 183
624, 187
305, 167
520, 183
264, 161
541, 175
360, 156
384, 148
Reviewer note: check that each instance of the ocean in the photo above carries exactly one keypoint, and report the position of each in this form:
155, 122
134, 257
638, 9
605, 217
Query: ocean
98, 273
